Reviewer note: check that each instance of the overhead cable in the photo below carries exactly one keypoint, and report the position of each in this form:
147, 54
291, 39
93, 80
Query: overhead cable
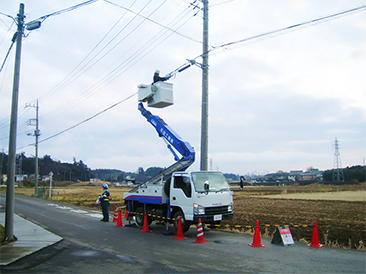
42, 18
314, 21
185, 36
266, 36
7, 54
82, 122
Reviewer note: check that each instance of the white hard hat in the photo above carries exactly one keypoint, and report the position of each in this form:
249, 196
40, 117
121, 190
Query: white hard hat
157, 71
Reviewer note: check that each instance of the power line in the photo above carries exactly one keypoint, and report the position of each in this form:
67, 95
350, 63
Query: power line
192, 62
266, 35
161, 25
73, 75
7, 54
82, 122
290, 28
43, 18
114, 73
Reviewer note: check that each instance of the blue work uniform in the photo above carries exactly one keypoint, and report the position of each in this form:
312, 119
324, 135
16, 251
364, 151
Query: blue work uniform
104, 203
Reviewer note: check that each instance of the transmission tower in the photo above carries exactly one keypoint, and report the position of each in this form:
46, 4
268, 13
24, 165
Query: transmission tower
338, 175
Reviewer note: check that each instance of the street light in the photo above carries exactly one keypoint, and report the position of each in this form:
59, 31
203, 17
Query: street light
33, 25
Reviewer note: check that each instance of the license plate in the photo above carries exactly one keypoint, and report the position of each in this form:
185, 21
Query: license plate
217, 217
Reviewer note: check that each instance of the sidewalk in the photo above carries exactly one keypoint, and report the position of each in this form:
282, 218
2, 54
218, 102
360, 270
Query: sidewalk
31, 238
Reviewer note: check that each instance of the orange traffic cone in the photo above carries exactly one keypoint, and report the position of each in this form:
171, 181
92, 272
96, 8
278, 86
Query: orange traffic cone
115, 217
200, 238
315, 237
119, 219
145, 227
257, 236
126, 214
180, 235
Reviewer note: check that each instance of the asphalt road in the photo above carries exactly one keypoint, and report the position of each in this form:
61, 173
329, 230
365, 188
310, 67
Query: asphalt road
91, 246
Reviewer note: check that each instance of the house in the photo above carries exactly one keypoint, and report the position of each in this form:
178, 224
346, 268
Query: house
312, 175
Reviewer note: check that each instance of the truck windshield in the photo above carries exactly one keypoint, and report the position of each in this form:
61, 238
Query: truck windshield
216, 179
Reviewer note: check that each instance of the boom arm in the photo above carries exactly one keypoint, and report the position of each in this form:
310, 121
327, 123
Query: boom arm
172, 138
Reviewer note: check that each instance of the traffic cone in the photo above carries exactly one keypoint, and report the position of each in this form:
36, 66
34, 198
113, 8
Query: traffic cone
200, 238
115, 217
145, 227
257, 236
315, 237
126, 214
180, 235
119, 219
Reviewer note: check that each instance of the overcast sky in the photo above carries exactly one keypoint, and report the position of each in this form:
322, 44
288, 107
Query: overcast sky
274, 104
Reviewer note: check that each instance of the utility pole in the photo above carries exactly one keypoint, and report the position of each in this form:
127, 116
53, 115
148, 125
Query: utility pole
9, 212
36, 134
204, 114
1, 167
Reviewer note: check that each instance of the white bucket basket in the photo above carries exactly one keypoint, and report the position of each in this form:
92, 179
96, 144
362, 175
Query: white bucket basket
158, 95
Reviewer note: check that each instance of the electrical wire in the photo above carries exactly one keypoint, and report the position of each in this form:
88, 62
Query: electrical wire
110, 74
146, 18
7, 54
192, 62
82, 122
267, 35
290, 28
104, 109
74, 74
43, 18
164, 39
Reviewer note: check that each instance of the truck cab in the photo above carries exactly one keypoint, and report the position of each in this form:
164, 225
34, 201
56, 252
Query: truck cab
204, 195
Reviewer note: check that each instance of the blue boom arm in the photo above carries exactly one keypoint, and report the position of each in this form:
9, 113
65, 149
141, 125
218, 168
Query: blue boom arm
172, 138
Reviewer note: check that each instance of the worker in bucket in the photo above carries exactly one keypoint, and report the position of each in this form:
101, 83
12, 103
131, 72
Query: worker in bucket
104, 203
158, 78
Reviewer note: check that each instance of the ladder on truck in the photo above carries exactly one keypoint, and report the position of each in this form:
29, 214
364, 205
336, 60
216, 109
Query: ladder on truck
181, 165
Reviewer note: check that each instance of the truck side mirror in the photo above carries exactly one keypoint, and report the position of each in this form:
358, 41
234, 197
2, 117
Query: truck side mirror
206, 186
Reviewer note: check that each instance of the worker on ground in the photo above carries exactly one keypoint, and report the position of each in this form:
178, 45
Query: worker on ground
104, 203
241, 183
158, 78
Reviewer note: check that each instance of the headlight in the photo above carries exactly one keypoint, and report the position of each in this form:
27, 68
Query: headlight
198, 209
230, 208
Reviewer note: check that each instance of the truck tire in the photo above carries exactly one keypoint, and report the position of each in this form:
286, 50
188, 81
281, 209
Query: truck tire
139, 216
185, 224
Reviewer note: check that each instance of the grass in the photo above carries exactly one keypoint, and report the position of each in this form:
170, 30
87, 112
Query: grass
2, 234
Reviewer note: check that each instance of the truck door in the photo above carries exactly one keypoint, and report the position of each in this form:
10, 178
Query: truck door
181, 194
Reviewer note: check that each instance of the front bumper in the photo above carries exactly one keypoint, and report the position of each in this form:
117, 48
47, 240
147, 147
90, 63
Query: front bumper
210, 219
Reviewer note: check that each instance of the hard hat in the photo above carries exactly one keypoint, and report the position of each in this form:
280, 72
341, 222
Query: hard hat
105, 186
157, 71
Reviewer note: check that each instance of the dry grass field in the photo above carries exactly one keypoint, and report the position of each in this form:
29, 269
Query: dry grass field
340, 211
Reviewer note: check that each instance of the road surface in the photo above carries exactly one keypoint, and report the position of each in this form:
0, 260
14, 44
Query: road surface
91, 246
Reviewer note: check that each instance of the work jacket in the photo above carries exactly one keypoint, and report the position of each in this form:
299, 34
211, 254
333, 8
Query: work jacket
105, 197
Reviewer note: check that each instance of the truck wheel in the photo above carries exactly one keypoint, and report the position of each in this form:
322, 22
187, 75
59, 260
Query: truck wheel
185, 224
140, 216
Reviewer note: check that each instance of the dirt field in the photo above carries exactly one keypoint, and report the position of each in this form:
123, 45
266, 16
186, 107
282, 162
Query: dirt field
340, 211
351, 196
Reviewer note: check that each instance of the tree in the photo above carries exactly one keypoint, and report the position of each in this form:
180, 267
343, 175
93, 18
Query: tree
140, 171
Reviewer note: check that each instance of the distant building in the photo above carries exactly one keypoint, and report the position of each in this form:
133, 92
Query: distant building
46, 178
20, 177
313, 174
